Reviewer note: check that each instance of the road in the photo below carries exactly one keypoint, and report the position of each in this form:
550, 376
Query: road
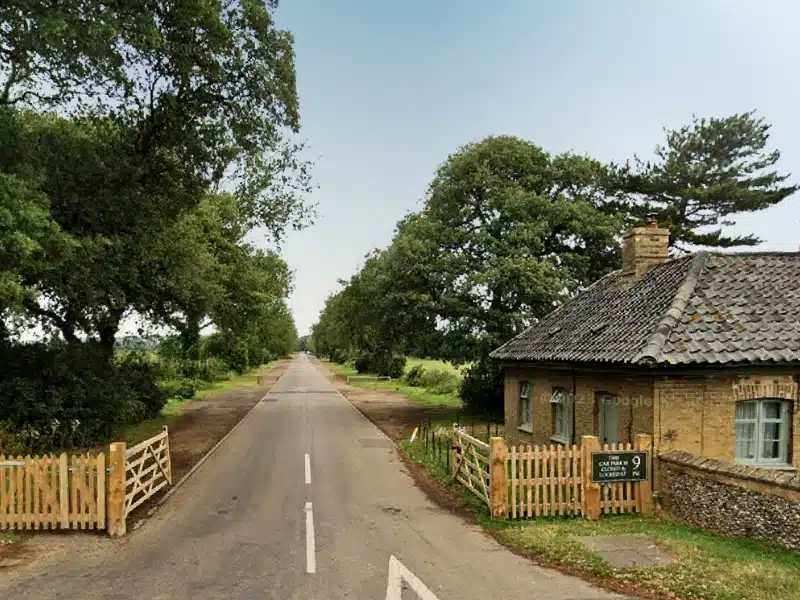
305, 500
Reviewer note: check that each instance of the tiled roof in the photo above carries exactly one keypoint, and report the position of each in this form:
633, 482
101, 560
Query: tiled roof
706, 308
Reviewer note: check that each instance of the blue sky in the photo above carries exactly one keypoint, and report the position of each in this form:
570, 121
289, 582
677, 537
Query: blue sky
389, 89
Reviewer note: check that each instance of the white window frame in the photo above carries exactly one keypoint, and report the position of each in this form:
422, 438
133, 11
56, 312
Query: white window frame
782, 461
525, 406
560, 407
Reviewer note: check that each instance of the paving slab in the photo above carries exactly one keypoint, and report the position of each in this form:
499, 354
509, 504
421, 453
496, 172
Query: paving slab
626, 551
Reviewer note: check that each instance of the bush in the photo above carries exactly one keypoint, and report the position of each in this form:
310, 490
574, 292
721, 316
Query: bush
212, 369
414, 376
364, 363
381, 364
60, 396
181, 388
394, 367
482, 389
439, 381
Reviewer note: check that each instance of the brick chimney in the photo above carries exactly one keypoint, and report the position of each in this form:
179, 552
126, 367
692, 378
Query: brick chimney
644, 248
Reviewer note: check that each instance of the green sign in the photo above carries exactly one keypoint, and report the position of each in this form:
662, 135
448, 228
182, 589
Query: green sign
610, 467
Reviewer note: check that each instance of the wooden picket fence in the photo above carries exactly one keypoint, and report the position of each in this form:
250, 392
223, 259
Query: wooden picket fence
523, 481
82, 491
470, 464
49, 492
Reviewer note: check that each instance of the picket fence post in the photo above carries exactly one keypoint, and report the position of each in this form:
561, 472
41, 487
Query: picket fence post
591, 491
497, 477
115, 508
644, 490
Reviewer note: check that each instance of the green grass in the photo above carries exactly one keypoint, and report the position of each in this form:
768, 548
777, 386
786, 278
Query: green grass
415, 394
429, 364
708, 566
174, 406
8, 538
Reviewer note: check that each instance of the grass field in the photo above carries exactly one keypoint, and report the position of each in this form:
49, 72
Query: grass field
707, 566
420, 395
430, 364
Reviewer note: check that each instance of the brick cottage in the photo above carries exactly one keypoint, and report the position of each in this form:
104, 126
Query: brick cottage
701, 351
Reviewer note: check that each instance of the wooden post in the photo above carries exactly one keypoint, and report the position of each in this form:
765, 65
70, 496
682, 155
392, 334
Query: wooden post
168, 470
644, 490
115, 510
497, 477
591, 491
63, 490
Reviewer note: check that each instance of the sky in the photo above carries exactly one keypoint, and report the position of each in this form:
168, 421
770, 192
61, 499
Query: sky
389, 89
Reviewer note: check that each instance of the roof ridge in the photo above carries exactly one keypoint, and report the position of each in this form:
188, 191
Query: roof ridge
652, 350
559, 309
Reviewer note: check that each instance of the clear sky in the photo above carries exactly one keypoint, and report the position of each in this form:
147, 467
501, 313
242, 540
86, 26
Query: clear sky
389, 89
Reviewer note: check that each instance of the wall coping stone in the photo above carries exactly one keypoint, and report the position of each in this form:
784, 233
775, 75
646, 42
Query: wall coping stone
785, 479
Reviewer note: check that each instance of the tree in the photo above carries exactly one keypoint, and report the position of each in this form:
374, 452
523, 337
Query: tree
165, 114
515, 230
706, 173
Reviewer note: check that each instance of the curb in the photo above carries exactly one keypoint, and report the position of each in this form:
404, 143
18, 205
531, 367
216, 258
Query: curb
208, 454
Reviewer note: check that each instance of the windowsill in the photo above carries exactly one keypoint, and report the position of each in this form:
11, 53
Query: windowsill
526, 428
559, 440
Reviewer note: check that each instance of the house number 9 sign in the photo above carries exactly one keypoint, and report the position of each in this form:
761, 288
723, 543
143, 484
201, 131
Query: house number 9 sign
611, 467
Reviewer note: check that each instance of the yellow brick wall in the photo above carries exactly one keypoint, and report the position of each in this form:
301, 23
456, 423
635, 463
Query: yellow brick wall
635, 394
698, 414
691, 413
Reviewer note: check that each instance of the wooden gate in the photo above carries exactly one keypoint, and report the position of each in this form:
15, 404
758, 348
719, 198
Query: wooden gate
471, 464
80, 491
147, 470
49, 492
523, 481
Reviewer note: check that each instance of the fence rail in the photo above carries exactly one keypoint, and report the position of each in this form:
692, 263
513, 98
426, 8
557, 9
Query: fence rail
147, 470
471, 464
82, 491
49, 492
525, 482
544, 481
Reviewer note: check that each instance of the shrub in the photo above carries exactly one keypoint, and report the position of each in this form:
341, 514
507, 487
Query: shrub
439, 381
364, 363
482, 388
381, 364
212, 369
181, 388
60, 396
414, 376
394, 367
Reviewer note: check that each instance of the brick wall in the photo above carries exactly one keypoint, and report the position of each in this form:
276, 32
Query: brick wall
732, 499
698, 414
634, 393
694, 414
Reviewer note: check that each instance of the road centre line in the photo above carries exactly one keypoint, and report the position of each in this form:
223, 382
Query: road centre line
308, 468
311, 558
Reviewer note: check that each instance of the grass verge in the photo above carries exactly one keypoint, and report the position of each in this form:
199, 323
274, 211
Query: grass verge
7, 539
707, 567
418, 395
174, 406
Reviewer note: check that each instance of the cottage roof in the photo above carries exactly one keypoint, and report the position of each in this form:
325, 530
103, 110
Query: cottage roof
704, 308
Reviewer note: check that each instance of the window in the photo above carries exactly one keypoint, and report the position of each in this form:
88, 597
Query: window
525, 408
762, 432
558, 402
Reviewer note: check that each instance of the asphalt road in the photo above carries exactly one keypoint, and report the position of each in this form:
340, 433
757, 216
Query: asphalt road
306, 500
